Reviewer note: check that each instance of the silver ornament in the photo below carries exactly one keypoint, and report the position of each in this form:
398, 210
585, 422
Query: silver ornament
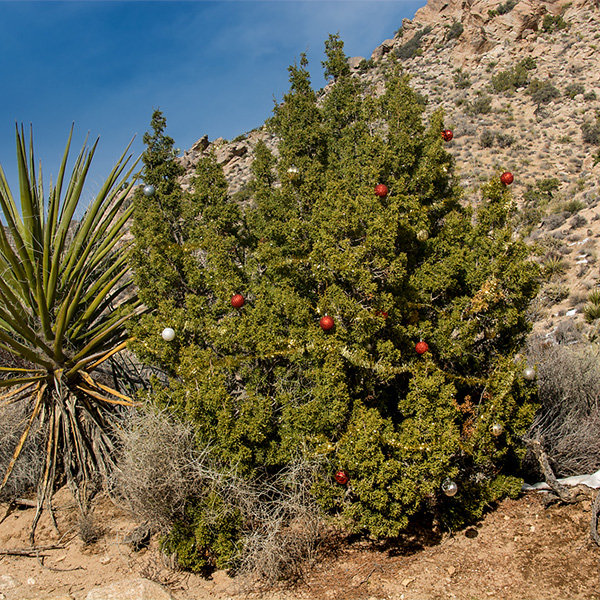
529, 373
293, 173
449, 487
497, 429
168, 334
149, 190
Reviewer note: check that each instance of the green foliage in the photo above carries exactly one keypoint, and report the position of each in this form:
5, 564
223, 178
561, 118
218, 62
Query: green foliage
574, 89
591, 132
513, 78
455, 31
461, 80
505, 8
482, 105
591, 310
336, 64
60, 281
411, 48
542, 92
552, 23
206, 538
263, 383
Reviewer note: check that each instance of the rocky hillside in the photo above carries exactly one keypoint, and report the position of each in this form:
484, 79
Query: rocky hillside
519, 83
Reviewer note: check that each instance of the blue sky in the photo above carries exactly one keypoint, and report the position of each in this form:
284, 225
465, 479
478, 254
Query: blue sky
212, 67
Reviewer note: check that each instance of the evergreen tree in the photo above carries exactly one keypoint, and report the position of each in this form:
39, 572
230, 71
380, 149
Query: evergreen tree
267, 380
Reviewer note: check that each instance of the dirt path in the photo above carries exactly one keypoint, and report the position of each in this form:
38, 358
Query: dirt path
520, 551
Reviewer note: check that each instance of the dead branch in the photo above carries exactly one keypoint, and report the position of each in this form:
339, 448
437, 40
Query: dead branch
33, 552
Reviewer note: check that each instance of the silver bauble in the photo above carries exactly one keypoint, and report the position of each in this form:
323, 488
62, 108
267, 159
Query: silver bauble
149, 190
168, 334
449, 487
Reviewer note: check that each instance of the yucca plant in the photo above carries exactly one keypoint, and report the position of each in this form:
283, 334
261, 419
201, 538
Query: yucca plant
59, 311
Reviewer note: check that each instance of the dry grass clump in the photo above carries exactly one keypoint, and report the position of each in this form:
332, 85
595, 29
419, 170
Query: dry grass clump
568, 422
286, 528
155, 474
161, 470
25, 474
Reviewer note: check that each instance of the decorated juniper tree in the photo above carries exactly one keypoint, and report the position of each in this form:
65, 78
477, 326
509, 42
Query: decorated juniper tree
356, 313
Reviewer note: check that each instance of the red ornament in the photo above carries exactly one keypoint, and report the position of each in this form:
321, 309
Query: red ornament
237, 301
381, 313
421, 347
381, 190
326, 323
342, 477
447, 135
507, 178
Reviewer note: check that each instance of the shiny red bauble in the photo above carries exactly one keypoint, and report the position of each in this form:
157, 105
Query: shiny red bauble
342, 477
237, 301
381, 190
421, 347
507, 178
447, 135
326, 323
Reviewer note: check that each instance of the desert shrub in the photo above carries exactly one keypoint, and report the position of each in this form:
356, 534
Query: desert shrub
410, 49
482, 105
504, 140
487, 138
552, 23
209, 516
24, 477
591, 132
454, 31
574, 206
511, 79
553, 221
568, 422
155, 476
578, 221
589, 96
556, 292
461, 79
574, 89
554, 264
542, 92
506, 7
591, 310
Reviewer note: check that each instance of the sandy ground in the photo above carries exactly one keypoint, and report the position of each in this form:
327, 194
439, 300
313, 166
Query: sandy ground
521, 550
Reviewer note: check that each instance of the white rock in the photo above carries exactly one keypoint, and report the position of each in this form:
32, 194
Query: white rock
130, 589
8, 582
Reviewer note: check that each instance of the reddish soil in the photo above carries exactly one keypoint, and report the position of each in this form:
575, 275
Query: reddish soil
520, 551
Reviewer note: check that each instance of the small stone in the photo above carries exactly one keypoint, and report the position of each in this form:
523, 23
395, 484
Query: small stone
451, 570
7, 582
30, 581
406, 582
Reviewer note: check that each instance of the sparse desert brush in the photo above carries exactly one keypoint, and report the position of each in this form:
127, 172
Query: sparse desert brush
568, 422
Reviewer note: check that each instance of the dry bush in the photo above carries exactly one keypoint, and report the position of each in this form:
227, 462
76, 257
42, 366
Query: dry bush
568, 421
25, 474
161, 469
286, 526
154, 477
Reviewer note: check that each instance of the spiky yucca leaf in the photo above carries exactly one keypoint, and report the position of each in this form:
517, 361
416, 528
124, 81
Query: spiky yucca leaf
59, 285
